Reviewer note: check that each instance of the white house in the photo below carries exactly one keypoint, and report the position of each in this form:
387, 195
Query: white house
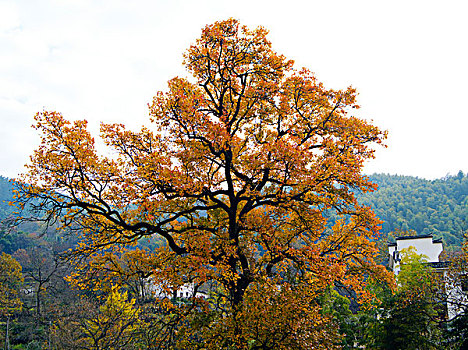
425, 245
456, 297
185, 291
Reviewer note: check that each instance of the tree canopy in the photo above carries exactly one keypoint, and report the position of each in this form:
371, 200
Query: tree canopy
10, 283
234, 173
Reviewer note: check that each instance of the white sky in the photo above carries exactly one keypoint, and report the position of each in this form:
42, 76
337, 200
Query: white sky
103, 60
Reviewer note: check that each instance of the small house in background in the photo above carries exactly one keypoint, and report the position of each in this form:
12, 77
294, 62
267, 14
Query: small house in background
456, 286
185, 291
425, 245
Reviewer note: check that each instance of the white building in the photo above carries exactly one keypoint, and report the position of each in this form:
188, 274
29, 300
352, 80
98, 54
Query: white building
425, 245
185, 291
456, 297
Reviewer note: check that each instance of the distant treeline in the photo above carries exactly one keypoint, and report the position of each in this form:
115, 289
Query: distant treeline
6, 195
438, 207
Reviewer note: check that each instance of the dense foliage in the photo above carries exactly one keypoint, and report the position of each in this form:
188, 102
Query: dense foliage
6, 196
438, 207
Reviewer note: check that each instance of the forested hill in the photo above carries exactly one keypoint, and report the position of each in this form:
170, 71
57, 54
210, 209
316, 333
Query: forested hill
6, 195
438, 207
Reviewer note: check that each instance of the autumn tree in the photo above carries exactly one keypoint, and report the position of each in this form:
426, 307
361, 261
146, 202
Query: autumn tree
237, 173
43, 271
129, 269
112, 325
11, 280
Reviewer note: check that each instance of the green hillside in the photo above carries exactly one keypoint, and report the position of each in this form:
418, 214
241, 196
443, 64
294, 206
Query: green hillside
438, 207
6, 195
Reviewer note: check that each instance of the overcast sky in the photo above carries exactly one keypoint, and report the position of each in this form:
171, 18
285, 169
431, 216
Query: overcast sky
103, 60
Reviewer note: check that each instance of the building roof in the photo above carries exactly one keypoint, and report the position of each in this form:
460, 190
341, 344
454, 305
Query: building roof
393, 244
414, 237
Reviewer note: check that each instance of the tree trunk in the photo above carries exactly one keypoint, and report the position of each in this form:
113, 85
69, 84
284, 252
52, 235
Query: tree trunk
7, 340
